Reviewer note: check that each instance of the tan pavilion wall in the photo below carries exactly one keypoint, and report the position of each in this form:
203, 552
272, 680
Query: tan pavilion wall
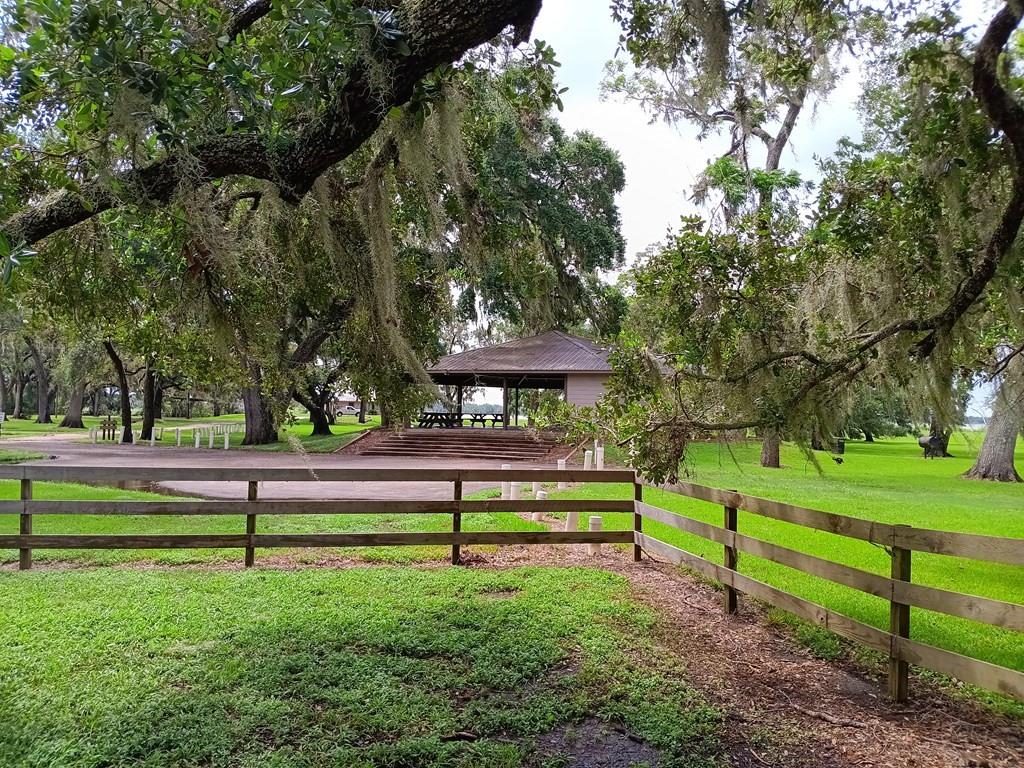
584, 388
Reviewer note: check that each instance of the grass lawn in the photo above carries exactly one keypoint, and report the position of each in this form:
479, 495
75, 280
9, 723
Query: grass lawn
296, 437
15, 457
361, 667
887, 481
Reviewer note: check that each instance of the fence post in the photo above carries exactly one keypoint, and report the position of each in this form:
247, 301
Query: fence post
730, 560
25, 553
899, 625
638, 520
250, 525
457, 523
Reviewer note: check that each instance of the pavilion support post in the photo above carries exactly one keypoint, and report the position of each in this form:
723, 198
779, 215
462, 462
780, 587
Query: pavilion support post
459, 402
515, 421
504, 403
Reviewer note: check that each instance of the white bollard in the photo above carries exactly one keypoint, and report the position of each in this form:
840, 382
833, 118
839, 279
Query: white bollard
227, 444
177, 437
94, 434
152, 438
541, 496
536, 488
515, 490
196, 433
506, 486
597, 444
599, 458
588, 460
562, 485
595, 526
210, 441
572, 521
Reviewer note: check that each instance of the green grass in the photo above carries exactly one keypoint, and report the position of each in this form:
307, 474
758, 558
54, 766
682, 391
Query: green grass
886, 481
362, 667
15, 457
295, 437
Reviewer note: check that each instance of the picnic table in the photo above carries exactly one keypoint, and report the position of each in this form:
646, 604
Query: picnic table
430, 419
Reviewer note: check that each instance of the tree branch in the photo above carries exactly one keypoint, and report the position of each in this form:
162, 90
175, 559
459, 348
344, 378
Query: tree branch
440, 32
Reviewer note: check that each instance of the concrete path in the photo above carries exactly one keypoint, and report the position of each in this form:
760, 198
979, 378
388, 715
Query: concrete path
68, 451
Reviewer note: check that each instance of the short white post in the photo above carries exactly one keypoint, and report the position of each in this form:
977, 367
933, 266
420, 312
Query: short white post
506, 486
196, 433
515, 490
210, 441
152, 437
597, 444
562, 485
541, 496
595, 526
177, 437
227, 439
599, 458
536, 488
572, 521
588, 460
94, 433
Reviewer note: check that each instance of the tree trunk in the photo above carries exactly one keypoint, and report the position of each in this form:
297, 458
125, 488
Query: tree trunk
816, 444
73, 414
158, 400
216, 406
125, 393
363, 408
941, 434
317, 414
770, 449
19, 395
995, 459
42, 383
3, 391
260, 428
148, 403
96, 394
868, 437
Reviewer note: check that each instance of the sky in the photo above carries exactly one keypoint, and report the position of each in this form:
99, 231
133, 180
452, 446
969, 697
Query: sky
662, 162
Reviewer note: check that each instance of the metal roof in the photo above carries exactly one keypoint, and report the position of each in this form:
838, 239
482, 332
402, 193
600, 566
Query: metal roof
549, 353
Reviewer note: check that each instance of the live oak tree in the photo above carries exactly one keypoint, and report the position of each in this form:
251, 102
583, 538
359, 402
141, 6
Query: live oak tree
750, 71
111, 102
905, 255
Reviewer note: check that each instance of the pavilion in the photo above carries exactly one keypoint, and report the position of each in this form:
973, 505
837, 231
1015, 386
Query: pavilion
553, 360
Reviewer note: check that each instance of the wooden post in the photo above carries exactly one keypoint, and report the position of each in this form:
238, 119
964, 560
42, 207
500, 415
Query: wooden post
638, 520
250, 525
457, 524
504, 403
730, 560
899, 625
25, 553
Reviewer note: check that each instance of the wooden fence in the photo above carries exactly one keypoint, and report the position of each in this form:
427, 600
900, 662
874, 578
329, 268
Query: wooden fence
900, 542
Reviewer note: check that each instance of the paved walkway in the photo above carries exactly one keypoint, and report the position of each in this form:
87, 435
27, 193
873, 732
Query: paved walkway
68, 451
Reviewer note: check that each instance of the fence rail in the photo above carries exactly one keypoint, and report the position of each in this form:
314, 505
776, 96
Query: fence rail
900, 542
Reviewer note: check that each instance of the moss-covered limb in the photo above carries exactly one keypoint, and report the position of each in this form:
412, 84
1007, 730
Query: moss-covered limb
439, 32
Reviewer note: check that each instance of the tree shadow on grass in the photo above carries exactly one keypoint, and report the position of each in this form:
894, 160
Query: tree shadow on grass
449, 678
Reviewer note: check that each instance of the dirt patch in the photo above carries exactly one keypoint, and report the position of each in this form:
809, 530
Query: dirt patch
498, 594
595, 744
